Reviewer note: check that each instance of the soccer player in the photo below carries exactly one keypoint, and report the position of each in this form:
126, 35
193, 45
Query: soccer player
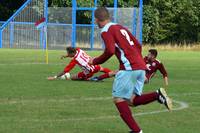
129, 80
153, 65
80, 58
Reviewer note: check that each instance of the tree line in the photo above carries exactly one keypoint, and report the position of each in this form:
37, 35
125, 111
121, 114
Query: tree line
164, 21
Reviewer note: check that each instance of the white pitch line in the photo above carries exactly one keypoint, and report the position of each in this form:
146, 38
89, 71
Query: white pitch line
28, 101
184, 94
183, 105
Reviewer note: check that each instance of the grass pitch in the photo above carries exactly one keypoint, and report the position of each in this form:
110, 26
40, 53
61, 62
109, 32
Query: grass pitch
31, 104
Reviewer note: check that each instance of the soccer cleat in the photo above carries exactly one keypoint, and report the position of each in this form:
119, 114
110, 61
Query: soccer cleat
96, 79
164, 99
135, 132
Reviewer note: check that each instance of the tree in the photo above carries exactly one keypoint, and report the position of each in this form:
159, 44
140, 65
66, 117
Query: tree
8, 7
165, 21
151, 25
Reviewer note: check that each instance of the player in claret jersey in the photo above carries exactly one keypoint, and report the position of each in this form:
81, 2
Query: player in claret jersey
80, 58
129, 80
153, 65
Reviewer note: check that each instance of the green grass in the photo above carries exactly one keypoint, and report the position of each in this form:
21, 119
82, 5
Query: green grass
31, 104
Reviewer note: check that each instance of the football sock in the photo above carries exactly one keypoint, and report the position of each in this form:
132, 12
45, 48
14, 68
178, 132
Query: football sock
145, 98
106, 70
104, 76
126, 115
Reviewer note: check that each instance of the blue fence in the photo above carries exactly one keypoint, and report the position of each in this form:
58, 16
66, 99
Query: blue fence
19, 30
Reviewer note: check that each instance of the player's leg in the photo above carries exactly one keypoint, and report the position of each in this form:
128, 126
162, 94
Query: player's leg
126, 114
141, 99
108, 74
104, 70
122, 90
78, 76
138, 98
68, 76
84, 76
99, 68
89, 75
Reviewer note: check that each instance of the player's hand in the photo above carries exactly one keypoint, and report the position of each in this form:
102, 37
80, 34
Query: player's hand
91, 61
62, 57
51, 78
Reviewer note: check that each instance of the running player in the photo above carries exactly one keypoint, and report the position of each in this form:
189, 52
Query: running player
129, 80
80, 58
153, 65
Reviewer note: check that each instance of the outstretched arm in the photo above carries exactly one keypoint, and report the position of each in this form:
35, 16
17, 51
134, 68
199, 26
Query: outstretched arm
164, 73
109, 49
67, 69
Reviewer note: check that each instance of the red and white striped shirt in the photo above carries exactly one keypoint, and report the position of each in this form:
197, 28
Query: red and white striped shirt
81, 59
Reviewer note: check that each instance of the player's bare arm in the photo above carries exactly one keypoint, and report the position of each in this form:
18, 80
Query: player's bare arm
164, 73
61, 75
166, 81
63, 56
65, 73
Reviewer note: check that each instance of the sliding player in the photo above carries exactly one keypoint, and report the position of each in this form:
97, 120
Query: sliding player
79, 57
129, 80
153, 65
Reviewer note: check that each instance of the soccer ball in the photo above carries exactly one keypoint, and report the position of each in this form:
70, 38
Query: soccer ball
66, 76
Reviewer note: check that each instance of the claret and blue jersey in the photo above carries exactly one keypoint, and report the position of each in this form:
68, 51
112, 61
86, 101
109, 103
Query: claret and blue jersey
119, 41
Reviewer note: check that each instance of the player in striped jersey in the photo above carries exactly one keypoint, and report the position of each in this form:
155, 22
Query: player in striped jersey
80, 58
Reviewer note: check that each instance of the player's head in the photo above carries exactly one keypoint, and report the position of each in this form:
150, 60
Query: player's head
71, 52
152, 54
102, 16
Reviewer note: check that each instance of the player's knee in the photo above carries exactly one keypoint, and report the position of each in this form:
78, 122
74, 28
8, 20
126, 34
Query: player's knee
101, 68
118, 100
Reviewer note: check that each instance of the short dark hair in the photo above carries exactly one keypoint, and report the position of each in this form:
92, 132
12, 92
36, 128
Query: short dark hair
153, 52
71, 50
102, 14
